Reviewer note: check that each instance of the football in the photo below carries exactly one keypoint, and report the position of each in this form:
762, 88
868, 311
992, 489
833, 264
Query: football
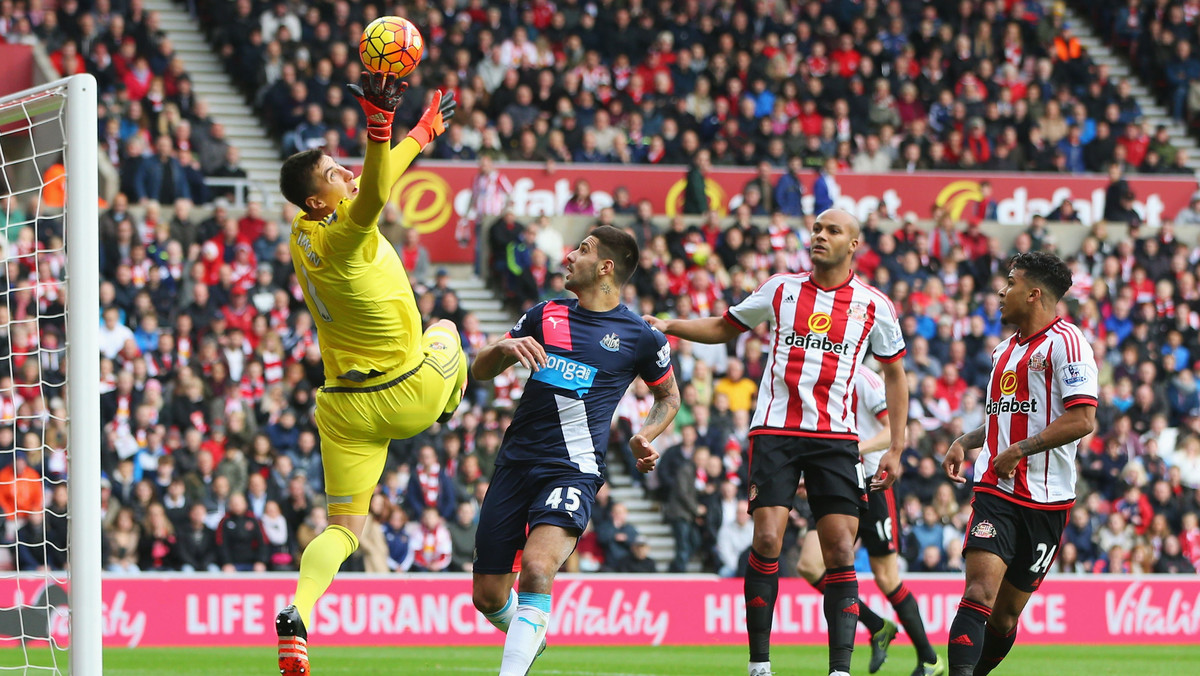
391, 44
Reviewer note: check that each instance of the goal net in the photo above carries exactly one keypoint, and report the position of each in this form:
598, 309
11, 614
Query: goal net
50, 619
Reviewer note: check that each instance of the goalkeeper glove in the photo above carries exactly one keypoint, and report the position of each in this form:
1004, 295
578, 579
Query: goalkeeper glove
379, 94
433, 122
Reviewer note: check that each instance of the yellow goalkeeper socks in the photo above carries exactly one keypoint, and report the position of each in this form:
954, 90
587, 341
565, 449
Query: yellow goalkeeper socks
320, 562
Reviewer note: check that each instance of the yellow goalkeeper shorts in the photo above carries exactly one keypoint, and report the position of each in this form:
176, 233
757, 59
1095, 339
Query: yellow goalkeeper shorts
357, 423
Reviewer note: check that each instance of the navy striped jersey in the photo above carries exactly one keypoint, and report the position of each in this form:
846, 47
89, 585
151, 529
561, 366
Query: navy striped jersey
567, 407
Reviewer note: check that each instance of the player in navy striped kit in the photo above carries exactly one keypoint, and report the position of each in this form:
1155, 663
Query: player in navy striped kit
583, 355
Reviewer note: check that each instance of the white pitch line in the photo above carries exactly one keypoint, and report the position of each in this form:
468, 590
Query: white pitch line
478, 670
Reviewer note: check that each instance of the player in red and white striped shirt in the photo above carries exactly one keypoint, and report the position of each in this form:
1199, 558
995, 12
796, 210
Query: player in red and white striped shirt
822, 324
1041, 400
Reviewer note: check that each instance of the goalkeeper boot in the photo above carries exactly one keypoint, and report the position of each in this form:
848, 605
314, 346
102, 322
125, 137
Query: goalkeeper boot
880, 641
293, 643
938, 668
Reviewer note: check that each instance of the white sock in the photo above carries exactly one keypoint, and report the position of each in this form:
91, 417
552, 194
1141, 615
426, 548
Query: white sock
524, 638
838, 673
758, 665
503, 617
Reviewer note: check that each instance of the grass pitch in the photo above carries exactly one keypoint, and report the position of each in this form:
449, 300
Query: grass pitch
620, 661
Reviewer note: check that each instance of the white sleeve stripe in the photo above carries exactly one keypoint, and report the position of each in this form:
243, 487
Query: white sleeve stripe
882, 298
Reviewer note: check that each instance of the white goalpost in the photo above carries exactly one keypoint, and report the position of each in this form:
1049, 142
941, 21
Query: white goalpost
50, 531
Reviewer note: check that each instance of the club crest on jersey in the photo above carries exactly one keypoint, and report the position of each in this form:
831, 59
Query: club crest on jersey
1074, 376
857, 312
984, 530
1037, 362
611, 342
1008, 382
820, 322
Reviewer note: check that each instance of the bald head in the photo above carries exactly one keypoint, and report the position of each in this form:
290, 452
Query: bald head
843, 218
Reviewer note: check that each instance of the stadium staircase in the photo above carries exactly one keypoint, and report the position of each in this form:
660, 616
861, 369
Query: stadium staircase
1119, 68
244, 130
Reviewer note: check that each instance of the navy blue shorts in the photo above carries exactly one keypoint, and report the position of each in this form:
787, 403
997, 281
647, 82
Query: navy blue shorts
521, 497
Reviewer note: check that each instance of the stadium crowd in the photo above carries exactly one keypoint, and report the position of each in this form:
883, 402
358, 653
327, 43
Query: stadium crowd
210, 359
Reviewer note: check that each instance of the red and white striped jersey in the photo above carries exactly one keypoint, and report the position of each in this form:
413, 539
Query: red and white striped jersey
870, 405
818, 344
1034, 381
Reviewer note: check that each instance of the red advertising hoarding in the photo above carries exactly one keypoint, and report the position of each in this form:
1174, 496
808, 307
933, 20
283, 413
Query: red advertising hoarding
434, 196
207, 610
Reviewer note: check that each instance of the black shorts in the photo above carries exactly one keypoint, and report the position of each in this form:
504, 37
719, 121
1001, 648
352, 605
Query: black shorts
1025, 538
521, 497
832, 474
879, 528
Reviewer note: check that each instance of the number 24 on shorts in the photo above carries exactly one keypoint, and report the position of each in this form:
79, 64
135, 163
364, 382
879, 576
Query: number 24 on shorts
571, 502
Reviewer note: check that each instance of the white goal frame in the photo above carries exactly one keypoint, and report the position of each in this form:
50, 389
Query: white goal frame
81, 218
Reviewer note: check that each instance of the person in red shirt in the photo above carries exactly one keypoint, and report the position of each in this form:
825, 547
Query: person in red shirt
951, 387
844, 60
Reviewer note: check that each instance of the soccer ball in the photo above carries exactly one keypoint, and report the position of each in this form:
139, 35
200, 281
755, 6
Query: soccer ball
391, 44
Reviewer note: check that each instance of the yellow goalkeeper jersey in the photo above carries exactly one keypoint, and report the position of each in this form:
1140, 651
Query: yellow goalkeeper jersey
359, 295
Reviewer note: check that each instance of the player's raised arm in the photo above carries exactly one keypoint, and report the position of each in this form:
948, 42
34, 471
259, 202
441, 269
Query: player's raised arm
378, 94
431, 125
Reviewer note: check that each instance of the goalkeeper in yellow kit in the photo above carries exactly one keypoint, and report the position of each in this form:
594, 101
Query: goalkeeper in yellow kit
384, 378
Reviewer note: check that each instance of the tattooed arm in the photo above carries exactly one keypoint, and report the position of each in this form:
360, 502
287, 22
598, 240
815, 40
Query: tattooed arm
958, 452
1076, 423
660, 415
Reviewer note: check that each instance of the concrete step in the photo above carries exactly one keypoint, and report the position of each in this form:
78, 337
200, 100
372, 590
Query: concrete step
495, 329
257, 154
261, 165
205, 80
201, 65
625, 492
493, 316
244, 127
476, 295
222, 111
244, 142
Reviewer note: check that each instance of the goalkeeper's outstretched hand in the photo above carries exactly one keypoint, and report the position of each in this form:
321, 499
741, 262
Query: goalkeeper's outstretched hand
433, 122
379, 94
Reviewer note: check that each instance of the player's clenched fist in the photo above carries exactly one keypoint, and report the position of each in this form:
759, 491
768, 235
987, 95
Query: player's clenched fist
527, 351
646, 456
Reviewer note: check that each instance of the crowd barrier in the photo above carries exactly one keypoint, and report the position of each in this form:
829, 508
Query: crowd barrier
434, 196
362, 610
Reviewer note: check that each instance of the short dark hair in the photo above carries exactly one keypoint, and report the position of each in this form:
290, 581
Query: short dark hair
1045, 270
298, 176
620, 247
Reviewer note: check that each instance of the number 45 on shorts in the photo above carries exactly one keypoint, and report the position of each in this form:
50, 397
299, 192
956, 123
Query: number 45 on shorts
556, 498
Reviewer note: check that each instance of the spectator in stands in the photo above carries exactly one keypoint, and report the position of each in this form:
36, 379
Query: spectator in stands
733, 540
462, 537
430, 486
241, 543
123, 539
161, 178
639, 560
616, 536
432, 547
